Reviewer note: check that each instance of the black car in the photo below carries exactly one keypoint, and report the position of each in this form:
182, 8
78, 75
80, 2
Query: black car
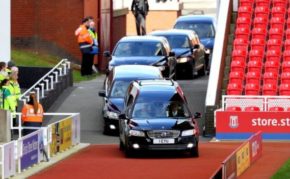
115, 87
143, 50
156, 117
190, 53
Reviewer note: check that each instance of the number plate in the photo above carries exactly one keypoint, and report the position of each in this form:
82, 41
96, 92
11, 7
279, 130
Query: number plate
163, 141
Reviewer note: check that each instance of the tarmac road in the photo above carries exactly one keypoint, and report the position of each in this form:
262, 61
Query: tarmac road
83, 97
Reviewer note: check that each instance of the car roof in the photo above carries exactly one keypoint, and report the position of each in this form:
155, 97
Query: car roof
197, 18
142, 38
136, 72
157, 85
173, 32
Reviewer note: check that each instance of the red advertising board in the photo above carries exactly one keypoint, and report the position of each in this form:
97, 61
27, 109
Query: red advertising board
255, 147
230, 166
269, 122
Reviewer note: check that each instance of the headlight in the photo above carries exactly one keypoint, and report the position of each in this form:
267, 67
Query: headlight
136, 133
182, 60
112, 115
207, 51
188, 132
110, 67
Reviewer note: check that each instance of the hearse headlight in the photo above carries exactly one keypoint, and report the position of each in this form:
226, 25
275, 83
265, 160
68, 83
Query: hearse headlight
182, 60
112, 115
188, 132
136, 133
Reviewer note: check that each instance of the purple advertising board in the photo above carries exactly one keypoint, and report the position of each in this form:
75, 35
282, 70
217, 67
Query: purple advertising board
29, 151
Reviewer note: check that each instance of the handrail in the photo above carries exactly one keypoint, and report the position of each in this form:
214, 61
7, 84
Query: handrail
61, 64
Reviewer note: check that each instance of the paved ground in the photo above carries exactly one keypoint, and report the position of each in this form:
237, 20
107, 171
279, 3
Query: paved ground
106, 161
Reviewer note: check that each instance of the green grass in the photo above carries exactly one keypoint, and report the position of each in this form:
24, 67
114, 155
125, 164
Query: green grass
34, 59
283, 172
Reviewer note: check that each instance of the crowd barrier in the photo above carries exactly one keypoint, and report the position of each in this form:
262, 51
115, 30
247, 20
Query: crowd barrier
240, 116
40, 145
241, 159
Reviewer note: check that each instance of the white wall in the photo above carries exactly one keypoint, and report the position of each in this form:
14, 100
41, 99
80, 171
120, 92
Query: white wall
5, 30
153, 4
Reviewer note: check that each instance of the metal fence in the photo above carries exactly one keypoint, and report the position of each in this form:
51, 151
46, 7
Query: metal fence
40, 145
263, 102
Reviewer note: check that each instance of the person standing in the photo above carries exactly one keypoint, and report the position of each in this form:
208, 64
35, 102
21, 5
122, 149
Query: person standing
32, 114
95, 46
14, 89
85, 42
140, 10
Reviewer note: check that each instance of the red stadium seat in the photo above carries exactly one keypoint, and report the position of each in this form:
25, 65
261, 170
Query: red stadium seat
243, 33
272, 66
270, 77
236, 77
246, 3
256, 54
276, 33
245, 11
287, 44
284, 89
263, 3
288, 109
233, 108
252, 108
243, 22
274, 44
238, 54
286, 55
253, 77
278, 11
262, 11
259, 33
269, 89
276, 109
234, 89
238, 66
261, 22
286, 66
254, 66
281, 3
285, 77
258, 43
241, 44
273, 55
277, 22
252, 89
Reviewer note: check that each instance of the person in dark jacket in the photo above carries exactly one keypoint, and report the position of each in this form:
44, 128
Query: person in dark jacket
140, 10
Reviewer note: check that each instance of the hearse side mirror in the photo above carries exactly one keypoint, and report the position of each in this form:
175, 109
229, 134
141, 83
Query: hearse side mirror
102, 93
197, 115
171, 54
196, 46
107, 54
122, 116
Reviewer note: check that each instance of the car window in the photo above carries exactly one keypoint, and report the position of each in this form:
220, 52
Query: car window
119, 89
160, 109
203, 30
178, 41
127, 49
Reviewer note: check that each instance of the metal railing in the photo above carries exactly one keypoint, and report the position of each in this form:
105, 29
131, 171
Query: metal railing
46, 83
264, 103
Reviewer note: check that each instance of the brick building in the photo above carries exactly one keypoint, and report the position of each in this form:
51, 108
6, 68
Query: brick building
49, 26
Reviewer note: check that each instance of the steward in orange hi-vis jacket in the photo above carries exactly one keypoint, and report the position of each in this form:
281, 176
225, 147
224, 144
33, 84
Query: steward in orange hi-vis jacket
32, 114
85, 42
